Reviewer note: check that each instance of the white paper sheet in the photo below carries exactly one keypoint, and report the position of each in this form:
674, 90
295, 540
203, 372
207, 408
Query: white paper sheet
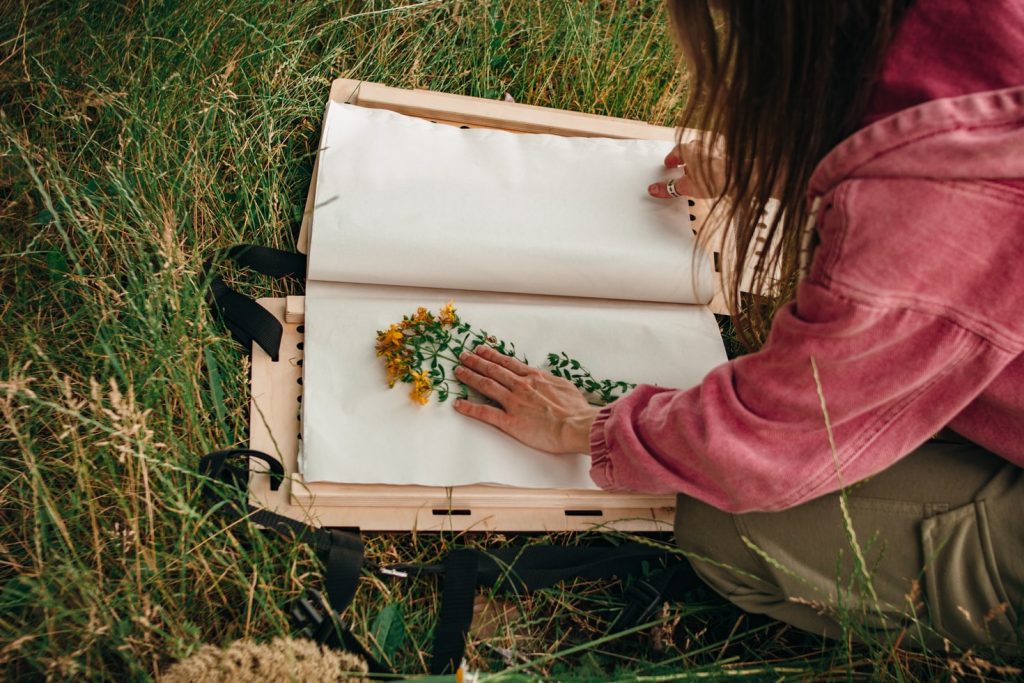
356, 430
402, 201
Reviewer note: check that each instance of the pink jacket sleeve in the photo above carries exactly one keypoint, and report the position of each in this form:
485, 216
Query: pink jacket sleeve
752, 435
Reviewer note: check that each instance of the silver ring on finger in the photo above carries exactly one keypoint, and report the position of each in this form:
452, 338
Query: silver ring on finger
670, 187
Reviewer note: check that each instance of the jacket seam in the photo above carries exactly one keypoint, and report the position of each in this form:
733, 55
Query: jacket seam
989, 189
835, 253
955, 125
1004, 342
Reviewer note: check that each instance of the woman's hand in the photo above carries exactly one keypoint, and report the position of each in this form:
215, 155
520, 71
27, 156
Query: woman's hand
689, 183
543, 411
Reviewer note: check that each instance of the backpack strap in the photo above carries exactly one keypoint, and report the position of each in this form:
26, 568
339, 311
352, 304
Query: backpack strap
456, 613
247, 321
654, 575
315, 616
523, 569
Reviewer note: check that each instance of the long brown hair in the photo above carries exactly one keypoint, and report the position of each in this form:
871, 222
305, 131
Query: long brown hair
780, 82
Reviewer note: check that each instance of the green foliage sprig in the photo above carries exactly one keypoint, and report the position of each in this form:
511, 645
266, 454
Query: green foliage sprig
598, 391
423, 349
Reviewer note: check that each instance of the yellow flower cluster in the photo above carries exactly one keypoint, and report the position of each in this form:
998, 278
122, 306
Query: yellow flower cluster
421, 387
447, 315
397, 358
397, 347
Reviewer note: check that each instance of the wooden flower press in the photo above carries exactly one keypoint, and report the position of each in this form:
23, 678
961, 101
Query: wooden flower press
276, 389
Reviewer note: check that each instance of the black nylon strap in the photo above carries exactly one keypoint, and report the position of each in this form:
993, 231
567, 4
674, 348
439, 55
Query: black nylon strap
342, 568
456, 613
542, 566
269, 261
645, 596
247, 321
345, 546
341, 551
532, 568
218, 465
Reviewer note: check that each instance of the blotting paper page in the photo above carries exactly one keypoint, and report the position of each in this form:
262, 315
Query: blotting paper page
402, 201
356, 430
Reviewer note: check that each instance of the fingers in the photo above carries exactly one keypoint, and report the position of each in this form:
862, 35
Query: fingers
703, 171
674, 159
683, 187
508, 362
487, 414
487, 368
485, 385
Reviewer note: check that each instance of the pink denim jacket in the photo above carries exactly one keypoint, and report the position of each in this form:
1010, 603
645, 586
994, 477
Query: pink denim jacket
913, 311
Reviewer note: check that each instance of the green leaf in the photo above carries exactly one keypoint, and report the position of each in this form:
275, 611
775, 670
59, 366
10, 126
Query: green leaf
57, 264
44, 217
217, 393
389, 630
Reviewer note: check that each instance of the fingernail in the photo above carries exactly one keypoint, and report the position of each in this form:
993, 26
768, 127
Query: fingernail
652, 189
464, 355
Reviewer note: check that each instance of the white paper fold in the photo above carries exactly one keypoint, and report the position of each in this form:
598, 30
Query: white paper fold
402, 201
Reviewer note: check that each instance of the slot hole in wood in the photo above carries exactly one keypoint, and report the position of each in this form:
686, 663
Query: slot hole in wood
300, 345
461, 512
692, 217
299, 381
300, 329
583, 513
463, 127
690, 202
718, 262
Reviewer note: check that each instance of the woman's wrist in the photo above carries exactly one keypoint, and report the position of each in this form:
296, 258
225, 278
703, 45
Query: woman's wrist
578, 430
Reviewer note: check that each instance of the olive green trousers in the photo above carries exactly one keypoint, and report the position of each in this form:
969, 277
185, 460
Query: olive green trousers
933, 550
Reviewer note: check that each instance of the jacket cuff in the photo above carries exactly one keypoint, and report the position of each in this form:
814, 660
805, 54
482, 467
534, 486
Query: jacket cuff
600, 462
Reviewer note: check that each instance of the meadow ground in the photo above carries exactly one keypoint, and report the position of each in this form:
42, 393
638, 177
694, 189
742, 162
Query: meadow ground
135, 139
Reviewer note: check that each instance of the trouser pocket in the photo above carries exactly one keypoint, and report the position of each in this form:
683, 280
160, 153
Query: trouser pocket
966, 599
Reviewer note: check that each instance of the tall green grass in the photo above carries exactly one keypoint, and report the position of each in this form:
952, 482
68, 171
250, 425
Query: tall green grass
136, 137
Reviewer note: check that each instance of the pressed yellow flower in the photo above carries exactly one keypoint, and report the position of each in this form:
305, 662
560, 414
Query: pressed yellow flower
397, 367
422, 315
447, 314
421, 386
389, 340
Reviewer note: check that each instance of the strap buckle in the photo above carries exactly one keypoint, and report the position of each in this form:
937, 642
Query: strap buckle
397, 573
312, 617
643, 600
